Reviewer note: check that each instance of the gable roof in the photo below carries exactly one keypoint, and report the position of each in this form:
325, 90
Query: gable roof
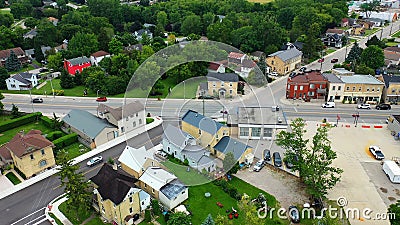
248, 63
258, 54
176, 136
227, 144
113, 184
100, 53
22, 144
227, 77
332, 78
197, 154
135, 158
156, 177
126, 109
203, 123
235, 55
22, 77
307, 77
390, 79
86, 122
78, 60
287, 54
335, 31
6, 53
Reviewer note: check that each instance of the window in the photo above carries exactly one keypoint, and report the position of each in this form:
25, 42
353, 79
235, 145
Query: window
313, 86
255, 131
222, 83
311, 93
122, 129
373, 89
393, 91
134, 124
378, 89
145, 185
31, 156
137, 115
130, 199
42, 151
230, 84
13, 85
301, 87
230, 91
214, 84
295, 87
244, 131
140, 121
333, 88
339, 88
199, 131
152, 190
354, 88
347, 88
130, 210
359, 89
267, 132
300, 95
42, 163
272, 62
367, 88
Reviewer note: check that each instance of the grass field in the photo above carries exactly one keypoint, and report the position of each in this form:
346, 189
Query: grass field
75, 150
58, 222
6, 10
95, 221
189, 178
9, 134
261, 1
14, 179
75, 219
372, 31
397, 34
391, 44
329, 51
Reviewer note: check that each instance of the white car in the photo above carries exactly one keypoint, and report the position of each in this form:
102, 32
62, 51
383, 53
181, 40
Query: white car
363, 106
376, 152
274, 74
259, 165
162, 153
328, 105
94, 161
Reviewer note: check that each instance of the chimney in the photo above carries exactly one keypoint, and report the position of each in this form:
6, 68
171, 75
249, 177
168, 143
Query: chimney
115, 166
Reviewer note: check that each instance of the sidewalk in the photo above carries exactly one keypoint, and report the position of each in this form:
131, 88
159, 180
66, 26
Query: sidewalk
52, 207
157, 122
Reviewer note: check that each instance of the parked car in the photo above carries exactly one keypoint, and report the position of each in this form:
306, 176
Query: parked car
42, 70
294, 214
101, 99
363, 106
288, 163
259, 165
37, 100
277, 159
274, 74
94, 161
302, 69
292, 74
267, 155
328, 105
162, 153
275, 108
334, 60
383, 106
321, 60
376, 152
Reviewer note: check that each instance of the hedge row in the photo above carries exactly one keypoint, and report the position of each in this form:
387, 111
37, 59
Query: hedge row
47, 122
65, 140
10, 124
54, 135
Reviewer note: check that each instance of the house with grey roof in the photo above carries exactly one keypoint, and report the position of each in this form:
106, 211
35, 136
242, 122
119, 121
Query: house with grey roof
22, 81
183, 146
92, 130
335, 86
76, 65
127, 118
30, 34
139, 34
391, 90
221, 85
284, 62
241, 152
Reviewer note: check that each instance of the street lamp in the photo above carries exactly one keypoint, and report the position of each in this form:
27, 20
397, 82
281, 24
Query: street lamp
184, 91
97, 93
356, 116
52, 89
30, 94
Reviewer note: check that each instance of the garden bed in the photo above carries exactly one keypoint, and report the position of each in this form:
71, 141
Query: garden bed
13, 178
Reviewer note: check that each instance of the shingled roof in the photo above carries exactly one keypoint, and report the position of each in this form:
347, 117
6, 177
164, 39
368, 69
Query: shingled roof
79, 60
113, 184
127, 109
227, 77
6, 53
22, 144
287, 54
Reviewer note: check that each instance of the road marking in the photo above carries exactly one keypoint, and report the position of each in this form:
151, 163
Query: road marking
41, 221
32, 221
27, 216
295, 109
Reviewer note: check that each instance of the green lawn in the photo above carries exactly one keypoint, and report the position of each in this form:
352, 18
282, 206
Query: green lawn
261, 1
188, 89
5, 10
95, 221
329, 51
390, 44
9, 134
24, 69
4, 118
14, 179
55, 219
369, 32
397, 34
76, 150
189, 178
201, 206
75, 219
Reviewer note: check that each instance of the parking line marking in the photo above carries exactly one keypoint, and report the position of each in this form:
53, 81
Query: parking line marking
28, 215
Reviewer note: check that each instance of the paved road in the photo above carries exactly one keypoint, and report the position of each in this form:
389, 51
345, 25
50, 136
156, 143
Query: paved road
27, 206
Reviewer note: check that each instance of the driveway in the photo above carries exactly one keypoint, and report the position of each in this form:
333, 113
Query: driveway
5, 183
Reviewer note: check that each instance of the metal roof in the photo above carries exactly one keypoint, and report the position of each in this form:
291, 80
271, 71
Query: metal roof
227, 77
332, 78
227, 144
360, 79
156, 177
203, 123
173, 189
287, 54
390, 79
79, 60
197, 154
176, 136
86, 122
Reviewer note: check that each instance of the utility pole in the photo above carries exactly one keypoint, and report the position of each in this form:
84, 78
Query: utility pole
52, 89
30, 94
381, 34
203, 104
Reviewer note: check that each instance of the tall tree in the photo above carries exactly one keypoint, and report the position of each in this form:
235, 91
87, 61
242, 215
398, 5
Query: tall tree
6, 19
55, 62
66, 80
256, 77
375, 41
146, 75
394, 209
250, 212
229, 161
179, 218
84, 44
39, 56
3, 76
7, 37
115, 46
373, 57
208, 221
12, 62
354, 54
191, 24
15, 111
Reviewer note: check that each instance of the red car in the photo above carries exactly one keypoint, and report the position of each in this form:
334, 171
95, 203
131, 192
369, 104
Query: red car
334, 60
321, 60
101, 99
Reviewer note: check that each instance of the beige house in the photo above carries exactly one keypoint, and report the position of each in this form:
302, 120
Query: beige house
285, 61
116, 196
335, 87
128, 117
31, 153
391, 92
221, 85
92, 130
241, 152
362, 89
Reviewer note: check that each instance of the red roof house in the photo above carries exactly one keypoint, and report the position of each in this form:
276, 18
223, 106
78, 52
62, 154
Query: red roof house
76, 64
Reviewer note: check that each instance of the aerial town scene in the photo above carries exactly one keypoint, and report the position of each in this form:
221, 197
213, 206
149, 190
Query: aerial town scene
199, 112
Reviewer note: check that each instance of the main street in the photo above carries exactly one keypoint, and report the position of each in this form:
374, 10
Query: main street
27, 206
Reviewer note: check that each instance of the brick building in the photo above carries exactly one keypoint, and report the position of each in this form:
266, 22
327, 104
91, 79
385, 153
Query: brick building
310, 85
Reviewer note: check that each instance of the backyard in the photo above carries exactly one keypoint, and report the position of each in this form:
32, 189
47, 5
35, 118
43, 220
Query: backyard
6, 136
371, 31
76, 217
189, 178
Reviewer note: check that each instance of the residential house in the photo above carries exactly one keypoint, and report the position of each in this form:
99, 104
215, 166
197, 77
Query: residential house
45, 50
368, 25
218, 67
31, 153
53, 20
183, 146
30, 34
362, 88
30, 53
285, 61
92, 130
139, 34
257, 55
76, 64
222, 85
334, 38
384, 16
310, 85
335, 87
136, 161
22, 81
392, 56
4, 54
137, 47
391, 90
127, 118
206, 131
344, 22
245, 68
241, 152
255, 123
116, 197
357, 30
163, 186
62, 47
236, 58
96, 57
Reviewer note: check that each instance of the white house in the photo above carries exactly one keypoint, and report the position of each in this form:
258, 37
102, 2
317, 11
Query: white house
135, 161
245, 68
22, 81
139, 34
96, 57
128, 117
335, 87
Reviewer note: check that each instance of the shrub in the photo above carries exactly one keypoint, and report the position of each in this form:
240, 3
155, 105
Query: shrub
47, 122
149, 120
156, 207
54, 135
65, 140
186, 162
147, 216
19, 172
10, 124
